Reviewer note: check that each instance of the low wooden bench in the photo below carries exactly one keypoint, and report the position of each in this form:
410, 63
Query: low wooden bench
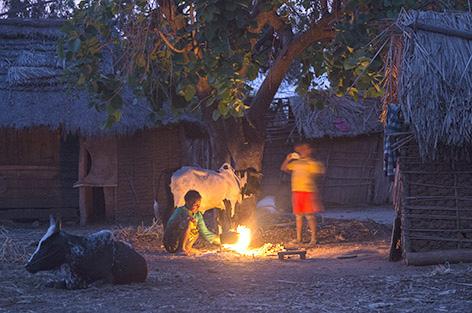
301, 253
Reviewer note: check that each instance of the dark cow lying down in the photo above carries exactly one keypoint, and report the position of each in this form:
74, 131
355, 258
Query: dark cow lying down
87, 259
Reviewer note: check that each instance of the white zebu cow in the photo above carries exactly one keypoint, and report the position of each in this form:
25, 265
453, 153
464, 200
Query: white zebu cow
213, 186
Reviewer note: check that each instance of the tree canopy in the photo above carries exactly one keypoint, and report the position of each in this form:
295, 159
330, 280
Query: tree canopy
204, 54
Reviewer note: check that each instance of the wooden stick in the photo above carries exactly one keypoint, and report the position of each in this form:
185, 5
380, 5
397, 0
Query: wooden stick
436, 173
395, 240
438, 198
354, 166
364, 160
399, 134
405, 222
400, 143
426, 208
441, 30
435, 217
440, 230
440, 186
458, 220
434, 238
346, 185
438, 257
350, 178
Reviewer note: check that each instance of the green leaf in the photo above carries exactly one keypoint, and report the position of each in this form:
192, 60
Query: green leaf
189, 92
81, 80
141, 60
116, 116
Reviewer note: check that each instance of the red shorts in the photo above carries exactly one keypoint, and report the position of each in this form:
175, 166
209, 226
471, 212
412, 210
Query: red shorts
305, 203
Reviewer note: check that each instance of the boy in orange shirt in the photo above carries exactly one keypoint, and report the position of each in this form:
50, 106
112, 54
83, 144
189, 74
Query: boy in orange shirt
305, 200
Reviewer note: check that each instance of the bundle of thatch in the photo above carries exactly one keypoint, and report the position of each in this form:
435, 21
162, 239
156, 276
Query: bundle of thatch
337, 116
34, 68
435, 80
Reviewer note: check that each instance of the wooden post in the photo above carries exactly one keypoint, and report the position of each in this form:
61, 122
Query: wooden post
456, 203
404, 203
85, 204
109, 194
395, 242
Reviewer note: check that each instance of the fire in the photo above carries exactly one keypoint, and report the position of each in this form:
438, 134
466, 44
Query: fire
243, 241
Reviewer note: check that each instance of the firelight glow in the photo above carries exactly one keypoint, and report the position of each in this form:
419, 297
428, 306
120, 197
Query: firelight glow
243, 241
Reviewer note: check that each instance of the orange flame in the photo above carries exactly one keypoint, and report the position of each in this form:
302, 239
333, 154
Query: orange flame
241, 246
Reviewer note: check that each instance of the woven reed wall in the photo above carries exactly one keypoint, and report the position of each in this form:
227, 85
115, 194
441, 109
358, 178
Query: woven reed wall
37, 170
436, 202
146, 161
354, 174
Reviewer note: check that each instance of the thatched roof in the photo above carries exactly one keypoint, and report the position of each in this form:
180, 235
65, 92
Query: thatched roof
435, 79
32, 93
338, 117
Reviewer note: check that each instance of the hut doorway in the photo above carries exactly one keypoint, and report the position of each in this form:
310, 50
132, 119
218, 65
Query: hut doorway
98, 204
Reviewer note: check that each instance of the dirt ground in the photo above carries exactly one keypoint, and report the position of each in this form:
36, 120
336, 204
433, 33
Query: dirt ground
221, 281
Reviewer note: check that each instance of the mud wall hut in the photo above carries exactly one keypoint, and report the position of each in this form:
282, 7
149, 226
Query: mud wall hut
55, 157
347, 137
429, 131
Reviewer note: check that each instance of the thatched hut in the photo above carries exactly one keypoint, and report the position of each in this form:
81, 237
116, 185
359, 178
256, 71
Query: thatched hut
55, 155
430, 136
347, 137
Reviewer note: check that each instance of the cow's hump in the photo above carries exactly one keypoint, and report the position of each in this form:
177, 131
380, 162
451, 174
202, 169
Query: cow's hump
100, 238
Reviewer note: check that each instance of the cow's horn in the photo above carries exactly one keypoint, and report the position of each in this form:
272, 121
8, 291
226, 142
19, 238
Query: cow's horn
52, 220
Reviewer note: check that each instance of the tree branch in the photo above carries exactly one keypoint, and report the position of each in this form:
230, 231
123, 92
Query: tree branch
170, 12
320, 31
324, 7
170, 45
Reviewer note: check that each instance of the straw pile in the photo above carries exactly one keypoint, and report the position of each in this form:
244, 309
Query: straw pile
144, 238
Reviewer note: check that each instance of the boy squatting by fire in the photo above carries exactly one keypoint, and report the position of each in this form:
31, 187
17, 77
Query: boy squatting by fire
185, 225
305, 199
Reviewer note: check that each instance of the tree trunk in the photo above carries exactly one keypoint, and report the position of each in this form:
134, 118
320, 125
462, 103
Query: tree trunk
234, 141
237, 143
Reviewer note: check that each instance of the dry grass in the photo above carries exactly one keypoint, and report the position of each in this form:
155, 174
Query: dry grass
329, 231
143, 238
11, 250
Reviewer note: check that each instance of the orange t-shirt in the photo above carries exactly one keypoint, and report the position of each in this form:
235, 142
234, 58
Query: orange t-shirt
303, 174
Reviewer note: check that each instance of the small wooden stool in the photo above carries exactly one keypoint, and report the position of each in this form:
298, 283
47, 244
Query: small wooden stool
301, 253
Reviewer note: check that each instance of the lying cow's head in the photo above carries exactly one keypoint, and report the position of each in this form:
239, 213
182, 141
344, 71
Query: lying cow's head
51, 249
253, 181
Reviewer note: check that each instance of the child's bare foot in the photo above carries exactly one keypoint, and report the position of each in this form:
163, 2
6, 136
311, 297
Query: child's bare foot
191, 252
295, 242
312, 244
